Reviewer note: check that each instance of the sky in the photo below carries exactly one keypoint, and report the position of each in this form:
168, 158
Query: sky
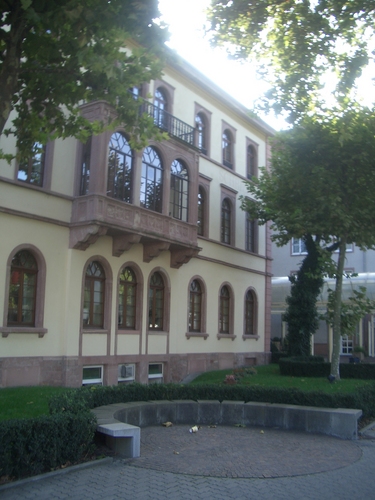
186, 20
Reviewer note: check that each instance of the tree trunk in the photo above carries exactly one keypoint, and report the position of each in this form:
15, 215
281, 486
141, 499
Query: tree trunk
335, 361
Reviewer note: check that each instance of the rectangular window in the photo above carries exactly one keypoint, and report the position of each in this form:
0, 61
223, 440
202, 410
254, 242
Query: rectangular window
155, 373
126, 373
346, 345
92, 375
298, 246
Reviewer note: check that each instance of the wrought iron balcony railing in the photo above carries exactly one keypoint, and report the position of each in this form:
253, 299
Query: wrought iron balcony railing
169, 123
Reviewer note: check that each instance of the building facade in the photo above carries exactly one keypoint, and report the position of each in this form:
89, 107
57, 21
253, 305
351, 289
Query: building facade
121, 265
361, 263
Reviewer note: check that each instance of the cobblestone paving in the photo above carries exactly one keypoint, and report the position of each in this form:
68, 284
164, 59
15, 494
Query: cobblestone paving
119, 479
241, 452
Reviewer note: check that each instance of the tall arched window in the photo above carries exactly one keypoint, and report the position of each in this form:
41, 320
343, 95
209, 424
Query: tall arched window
195, 307
224, 313
22, 289
200, 123
156, 302
250, 313
179, 194
160, 108
151, 180
127, 299
251, 162
120, 162
85, 167
227, 149
93, 305
226, 216
201, 210
251, 234
31, 170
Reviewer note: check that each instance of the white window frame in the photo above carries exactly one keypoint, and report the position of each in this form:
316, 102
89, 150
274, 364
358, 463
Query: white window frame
93, 381
122, 379
156, 377
346, 345
300, 243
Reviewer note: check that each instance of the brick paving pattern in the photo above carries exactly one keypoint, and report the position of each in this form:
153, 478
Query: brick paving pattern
241, 452
350, 475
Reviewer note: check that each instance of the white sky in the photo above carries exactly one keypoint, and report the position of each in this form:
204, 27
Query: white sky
186, 19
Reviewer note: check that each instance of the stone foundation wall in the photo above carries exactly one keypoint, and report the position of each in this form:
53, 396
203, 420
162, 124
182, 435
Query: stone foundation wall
67, 371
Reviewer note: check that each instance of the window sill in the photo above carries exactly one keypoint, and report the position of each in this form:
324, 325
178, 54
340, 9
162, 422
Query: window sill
246, 337
226, 336
6, 330
157, 332
94, 330
196, 334
123, 331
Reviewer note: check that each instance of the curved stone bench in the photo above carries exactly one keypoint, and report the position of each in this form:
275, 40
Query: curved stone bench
338, 422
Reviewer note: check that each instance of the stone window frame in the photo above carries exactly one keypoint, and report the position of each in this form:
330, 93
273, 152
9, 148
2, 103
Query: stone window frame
204, 184
138, 298
230, 334
107, 309
226, 128
40, 294
47, 169
254, 335
169, 92
203, 331
166, 302
254, 248
207, 116
252, 144
231, 195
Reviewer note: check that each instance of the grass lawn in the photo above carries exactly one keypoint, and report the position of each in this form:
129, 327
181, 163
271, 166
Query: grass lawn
269, 376
25, 402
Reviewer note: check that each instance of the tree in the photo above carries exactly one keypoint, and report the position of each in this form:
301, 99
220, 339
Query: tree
56, 54
295, 42
302, 314
321, 183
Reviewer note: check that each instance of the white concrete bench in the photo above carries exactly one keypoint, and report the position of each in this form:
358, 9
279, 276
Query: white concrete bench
123, 439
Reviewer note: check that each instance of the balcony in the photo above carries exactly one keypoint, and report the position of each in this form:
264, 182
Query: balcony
96, 215
169, 123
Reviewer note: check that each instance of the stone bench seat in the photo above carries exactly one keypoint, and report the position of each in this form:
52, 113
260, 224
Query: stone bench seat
124, 439
123, 421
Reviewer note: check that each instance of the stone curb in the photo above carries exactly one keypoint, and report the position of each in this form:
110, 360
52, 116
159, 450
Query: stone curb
67, 470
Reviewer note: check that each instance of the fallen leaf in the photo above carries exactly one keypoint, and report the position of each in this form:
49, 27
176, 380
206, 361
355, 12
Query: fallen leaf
167, 424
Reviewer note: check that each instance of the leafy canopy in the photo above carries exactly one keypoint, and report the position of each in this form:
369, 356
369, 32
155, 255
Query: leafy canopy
321, 181
295, 42
56, 54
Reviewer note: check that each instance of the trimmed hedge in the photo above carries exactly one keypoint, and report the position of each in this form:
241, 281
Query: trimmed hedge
36, 445
314, 366
363, 399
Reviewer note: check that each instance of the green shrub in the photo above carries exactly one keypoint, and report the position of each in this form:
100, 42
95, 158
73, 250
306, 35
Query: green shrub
314, 366
276, 356
32, 446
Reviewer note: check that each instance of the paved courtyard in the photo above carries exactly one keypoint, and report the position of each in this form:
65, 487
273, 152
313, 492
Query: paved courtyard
218, 463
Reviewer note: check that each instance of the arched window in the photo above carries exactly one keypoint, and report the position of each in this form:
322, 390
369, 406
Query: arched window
250, 313
127, 299
201, 126
251, 162
224, 313
151, 180
120, 162
226, 222
251, 234
160, 108
22, 289
227, 149
31, 170
93, 304
178, 204
201, 211
195, 307
85, 167
156, 302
